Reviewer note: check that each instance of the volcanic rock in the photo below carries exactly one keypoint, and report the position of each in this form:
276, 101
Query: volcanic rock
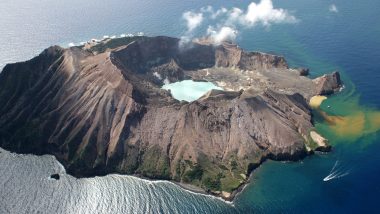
101, 110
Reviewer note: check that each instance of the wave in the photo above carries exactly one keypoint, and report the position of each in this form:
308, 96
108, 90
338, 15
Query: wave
337, 171
160, 182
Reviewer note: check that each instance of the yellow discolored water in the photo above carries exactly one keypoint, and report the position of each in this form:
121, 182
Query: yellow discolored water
346, 126
348, 120
316, 101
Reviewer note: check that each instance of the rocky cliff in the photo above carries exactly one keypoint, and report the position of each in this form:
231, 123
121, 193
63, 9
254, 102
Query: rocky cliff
101, 110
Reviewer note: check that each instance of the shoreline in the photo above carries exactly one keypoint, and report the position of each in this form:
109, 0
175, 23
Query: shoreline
195, 189
184, 186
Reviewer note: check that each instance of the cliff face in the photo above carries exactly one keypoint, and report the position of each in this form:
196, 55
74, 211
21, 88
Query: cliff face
328, 84
105, 112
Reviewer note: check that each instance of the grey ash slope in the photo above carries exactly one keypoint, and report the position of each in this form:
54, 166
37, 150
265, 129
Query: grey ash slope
103, 111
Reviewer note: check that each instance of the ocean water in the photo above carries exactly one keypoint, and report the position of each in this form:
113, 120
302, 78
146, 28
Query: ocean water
324, 41
28, 188
189, 90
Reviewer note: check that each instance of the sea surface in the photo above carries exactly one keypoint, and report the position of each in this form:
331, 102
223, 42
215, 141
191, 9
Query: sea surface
345, 180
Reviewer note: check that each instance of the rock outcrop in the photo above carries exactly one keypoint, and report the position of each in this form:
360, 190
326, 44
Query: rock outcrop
328, 83
303, 71
103, 111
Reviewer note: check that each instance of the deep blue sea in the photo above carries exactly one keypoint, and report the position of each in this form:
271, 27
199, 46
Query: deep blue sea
347, 40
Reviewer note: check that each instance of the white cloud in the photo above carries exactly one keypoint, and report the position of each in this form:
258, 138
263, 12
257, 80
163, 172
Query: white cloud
208, 9
219, 12
222, 34
228, 20
265, 14
214, 14
193, 20
333, 8
234, 16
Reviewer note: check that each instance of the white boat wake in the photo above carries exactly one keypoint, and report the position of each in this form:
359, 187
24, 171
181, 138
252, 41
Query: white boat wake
336, 172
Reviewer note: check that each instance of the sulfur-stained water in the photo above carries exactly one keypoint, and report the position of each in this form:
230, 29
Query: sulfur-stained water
343, 118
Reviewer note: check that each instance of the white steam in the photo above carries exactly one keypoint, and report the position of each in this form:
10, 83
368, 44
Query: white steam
222, 34
333, 8
229, 20
265, 14
193, 20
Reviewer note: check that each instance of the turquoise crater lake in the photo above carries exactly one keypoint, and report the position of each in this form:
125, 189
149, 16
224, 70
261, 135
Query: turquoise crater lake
189, 90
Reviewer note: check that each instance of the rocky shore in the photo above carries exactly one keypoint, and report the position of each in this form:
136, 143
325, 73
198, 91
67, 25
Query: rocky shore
100, 109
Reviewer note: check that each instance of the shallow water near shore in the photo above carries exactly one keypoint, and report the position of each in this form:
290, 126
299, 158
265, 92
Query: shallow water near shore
323, 41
